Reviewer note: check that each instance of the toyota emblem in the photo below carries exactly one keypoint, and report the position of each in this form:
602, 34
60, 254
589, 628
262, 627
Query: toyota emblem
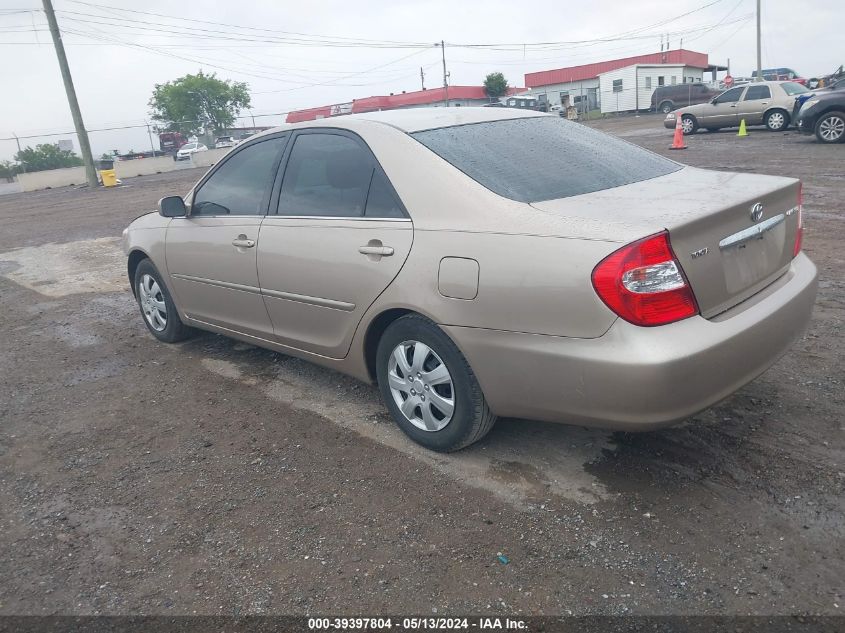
757, 212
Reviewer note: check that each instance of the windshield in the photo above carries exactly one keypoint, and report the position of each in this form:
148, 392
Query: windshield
543, 158
189, 146
792, 88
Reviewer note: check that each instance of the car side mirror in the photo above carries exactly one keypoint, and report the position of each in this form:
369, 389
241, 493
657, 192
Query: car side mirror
172, 207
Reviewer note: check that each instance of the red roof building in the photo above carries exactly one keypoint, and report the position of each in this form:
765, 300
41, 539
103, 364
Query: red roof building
458, 96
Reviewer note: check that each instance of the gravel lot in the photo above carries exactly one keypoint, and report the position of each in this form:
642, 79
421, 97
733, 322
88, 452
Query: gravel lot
212, 477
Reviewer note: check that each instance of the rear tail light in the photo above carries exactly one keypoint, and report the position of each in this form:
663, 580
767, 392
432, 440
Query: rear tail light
644, 284
799, 231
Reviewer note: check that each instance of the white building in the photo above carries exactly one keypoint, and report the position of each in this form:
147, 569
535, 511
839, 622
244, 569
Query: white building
582, 84
630, 88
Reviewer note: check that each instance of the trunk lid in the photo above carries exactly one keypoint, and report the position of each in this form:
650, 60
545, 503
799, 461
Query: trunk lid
727, 252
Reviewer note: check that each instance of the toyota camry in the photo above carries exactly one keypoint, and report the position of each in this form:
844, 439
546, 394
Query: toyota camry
484, 262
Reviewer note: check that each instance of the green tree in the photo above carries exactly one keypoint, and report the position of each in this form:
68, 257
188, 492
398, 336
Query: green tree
496, 85
8, 169
198, 103
46, 156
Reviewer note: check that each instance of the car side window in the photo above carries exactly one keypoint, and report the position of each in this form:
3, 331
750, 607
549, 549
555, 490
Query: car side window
238, 186
327, 175
731, 96
381, 201
757, 92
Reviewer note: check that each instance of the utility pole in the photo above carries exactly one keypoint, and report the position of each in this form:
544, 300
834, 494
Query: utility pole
759, 55
152, 145
82, 135
422, 78
445, 74
18, 142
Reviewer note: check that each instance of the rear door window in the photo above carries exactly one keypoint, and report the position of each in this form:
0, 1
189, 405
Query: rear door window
326, 175
757, 92
334, 175
543, 158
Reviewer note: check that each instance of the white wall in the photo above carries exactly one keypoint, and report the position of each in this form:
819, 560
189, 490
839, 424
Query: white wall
35, 180
208, 157
574, 88
626, 98
144, 166
636, 92
123, 168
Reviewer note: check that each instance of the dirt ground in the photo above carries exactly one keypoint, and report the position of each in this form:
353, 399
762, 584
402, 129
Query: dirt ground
212, 477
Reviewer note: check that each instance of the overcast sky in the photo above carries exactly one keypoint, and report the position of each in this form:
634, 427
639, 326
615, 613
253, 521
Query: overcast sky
117, 57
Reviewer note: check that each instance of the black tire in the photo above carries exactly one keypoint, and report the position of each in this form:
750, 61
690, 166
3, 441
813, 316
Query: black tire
174, 330
777, 120
471, 418
666, 107
694, 124
830, 127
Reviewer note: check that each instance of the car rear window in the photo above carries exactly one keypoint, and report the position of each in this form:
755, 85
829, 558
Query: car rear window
543, 158
791, 88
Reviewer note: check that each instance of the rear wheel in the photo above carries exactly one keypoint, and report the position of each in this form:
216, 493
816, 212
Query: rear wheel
429, 387
688, 124
666, 107
830, 128
777, 120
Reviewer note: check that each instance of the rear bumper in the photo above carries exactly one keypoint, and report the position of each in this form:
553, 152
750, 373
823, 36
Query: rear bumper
635, 378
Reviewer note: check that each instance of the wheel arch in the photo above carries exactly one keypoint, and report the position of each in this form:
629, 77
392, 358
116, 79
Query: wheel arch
136, 256
778, 108
377, 327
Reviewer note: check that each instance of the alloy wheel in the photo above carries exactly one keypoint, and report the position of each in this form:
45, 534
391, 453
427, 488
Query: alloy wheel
421, 386
687, 125
832, 128
152, 302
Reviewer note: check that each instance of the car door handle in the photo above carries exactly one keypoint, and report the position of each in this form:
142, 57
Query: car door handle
242, 241
382, 251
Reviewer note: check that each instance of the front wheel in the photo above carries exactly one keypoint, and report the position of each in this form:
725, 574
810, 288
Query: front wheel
688, 124
666, 107
157, 306
830, 128
429, 387
777, 120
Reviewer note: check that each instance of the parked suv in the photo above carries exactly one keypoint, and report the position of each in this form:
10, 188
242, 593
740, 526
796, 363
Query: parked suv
824, 115
667, 98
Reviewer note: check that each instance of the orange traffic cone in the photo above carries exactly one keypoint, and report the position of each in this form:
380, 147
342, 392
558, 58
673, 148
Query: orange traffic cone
678, 141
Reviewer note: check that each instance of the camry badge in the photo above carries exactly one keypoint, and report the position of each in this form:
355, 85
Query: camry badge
757, 212
699, 253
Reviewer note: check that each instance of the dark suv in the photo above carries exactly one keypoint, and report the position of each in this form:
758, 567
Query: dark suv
667, 98
824, 115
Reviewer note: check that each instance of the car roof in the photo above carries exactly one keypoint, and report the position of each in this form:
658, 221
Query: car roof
415, 119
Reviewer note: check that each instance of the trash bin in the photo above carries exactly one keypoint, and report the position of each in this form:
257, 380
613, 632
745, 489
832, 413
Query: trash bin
109, 177
105, 163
